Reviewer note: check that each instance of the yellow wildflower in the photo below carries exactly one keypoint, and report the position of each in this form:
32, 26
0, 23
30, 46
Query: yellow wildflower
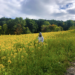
2, 66
3, 57
3, 70
38, 47
11, 54
15, 53
9, 61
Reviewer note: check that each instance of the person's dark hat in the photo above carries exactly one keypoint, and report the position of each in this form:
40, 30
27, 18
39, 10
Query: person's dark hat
40, 34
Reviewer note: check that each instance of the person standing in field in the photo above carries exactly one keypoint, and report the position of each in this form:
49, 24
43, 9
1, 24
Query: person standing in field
40, 38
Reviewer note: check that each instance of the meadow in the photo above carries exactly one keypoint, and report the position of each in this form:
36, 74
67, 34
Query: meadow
22, 55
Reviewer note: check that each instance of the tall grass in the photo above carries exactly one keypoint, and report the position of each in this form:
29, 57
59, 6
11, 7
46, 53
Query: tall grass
51, 58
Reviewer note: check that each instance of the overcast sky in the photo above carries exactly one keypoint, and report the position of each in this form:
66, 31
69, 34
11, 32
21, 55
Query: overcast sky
38, 9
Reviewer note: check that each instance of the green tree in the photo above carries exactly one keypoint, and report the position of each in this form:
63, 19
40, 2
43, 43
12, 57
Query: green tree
40, 23
61, 28
4, 28
0, 29
19, 21
10, 24
32, 25
27, 31
69, 23
44, 28
57, 29
49, 28
52, 27
46, 23
18, 29
72, 27
24, 30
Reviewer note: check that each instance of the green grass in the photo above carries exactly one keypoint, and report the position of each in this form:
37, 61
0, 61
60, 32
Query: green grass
50, 59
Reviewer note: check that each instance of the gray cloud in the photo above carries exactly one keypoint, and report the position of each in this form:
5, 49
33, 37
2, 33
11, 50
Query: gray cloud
45, 8
59, 14
33, 7
71, 11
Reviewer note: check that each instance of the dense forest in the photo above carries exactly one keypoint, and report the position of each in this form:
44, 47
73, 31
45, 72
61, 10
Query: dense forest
24, 26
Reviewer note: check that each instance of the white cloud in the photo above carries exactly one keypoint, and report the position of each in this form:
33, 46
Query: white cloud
36, 9
9, 8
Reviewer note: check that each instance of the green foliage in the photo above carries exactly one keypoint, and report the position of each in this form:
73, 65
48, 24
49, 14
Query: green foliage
27, 31
70, 23
18, 29
72, 27
34, 25
57, 29
49, 28
61, 28
46, 23
52, 27
44, 28
5, 28
0, 29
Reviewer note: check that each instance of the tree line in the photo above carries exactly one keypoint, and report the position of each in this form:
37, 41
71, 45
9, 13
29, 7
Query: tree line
24, 26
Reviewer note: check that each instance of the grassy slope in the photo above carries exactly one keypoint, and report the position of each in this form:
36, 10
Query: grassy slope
50, 59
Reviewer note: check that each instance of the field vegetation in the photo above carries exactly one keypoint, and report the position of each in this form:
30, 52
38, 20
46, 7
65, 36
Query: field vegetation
22, 55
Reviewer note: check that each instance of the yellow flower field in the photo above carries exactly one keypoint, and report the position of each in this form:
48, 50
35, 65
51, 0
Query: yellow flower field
20, 53
7, 41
